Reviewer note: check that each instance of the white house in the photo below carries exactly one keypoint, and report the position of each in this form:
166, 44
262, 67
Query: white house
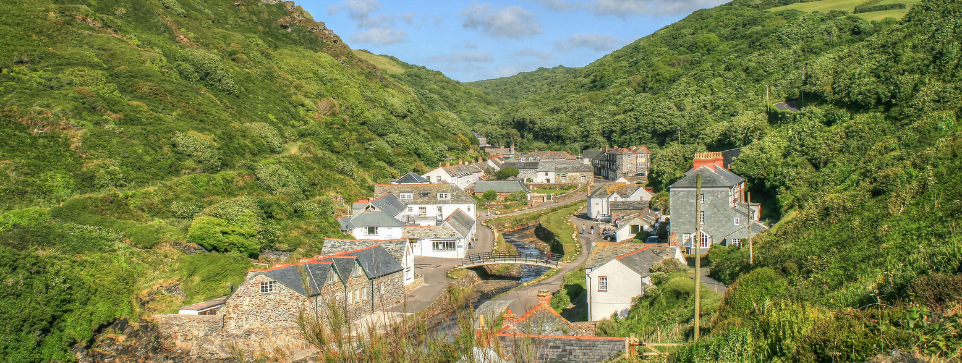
429, 204
617, 272
630, 226
399, 248
450, 239
460, 175
375, 219
599, 200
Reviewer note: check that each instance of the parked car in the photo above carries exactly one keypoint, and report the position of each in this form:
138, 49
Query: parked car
652, 239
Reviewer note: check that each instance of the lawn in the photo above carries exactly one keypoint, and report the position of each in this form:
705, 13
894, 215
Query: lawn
558, 223
381, 62
849, 6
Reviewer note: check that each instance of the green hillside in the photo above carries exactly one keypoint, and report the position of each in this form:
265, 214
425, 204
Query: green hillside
130, 128
865, 259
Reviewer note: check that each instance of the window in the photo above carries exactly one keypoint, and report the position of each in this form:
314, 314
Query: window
364, 294
423, 211
583, 178
357, 269
564, 178
701, 217
381, 287
371, 231
635, 229
407, 196
440, 211
705, 240
444, 196
628, 156
685, 237
602, 283
738, 221
641, 159
331, 276
410, 209
444, 245
701, 197
736, 242
469, 208
437, 179
628, 167
268, 286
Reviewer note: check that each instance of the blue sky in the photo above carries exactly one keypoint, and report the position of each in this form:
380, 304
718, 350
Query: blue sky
475, 40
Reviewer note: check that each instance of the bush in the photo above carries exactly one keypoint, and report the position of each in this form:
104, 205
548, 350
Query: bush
752, 291
489, 196
201, 150
507, 173
221, 235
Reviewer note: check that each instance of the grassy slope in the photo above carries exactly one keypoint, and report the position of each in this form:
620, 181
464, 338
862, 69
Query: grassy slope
383, 63
849, 5
126, 124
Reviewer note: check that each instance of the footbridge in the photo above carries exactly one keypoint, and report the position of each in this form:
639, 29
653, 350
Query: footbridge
497, 258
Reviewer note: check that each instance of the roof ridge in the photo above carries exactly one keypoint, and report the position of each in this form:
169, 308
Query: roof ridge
634, 252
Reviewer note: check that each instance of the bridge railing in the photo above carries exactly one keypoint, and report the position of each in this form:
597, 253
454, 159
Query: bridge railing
512, 257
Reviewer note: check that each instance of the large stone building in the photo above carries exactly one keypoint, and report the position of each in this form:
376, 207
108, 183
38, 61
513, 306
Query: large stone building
461, 175
357, 282
399, 248
724, 216
632, 163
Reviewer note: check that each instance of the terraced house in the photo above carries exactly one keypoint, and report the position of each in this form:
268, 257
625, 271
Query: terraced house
359, 282
632, 163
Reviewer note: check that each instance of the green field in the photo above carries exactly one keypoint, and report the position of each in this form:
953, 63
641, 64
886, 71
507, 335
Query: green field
381, 62
849, 6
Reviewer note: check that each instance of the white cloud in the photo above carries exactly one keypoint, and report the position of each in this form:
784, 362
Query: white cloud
408, 17
559, 5
469, 45
361, 12
509, 22
626, 8
531, 52
462, 57
595, 41
380, 36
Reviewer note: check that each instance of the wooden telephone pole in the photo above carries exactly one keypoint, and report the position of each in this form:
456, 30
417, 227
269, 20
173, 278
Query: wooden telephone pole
697, 243
751, 253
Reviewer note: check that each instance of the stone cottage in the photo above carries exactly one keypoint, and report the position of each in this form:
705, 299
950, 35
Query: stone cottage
359, 282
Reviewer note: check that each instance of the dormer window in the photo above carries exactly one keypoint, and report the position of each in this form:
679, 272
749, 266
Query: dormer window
407, 196
357, 269
444, 196
268, 287
331, 277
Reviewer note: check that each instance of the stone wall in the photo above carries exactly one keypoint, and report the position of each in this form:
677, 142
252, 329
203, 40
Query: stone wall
418, 281
250, 309
557, 348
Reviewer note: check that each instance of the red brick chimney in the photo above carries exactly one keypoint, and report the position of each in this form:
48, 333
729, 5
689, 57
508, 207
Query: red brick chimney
509, 319
544, 297
708, 159
673, 240
447, 163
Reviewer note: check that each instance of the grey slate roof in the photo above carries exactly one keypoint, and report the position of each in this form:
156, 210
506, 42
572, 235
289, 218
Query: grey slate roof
312, 273
444, 231
607, 190
388, 203
369, 219
462, 170
500, 186
572, 168
426, 193
642, 261
461, 222
603, 252
395, 247
296, 277
411, 178
627, 205
206, 304
710, 177
591, 154
549, 155
532, 165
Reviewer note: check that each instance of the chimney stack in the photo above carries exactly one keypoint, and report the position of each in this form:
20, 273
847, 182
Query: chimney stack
711, 160
509, 319
447, 162
544, 297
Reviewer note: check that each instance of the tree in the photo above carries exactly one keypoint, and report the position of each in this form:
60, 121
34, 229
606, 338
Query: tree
489, 195
507, 173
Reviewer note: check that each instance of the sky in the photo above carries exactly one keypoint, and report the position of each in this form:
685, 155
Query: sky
477, 40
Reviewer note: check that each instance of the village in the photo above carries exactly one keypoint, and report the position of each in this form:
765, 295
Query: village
413, 232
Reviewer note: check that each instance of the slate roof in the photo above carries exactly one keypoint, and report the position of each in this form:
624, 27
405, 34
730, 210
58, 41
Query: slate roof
591, 154
314, 275
540, 320
630, 150
603, 252
710, 177
313, 272
729, 155
549, 155
426, 193
564, 168
411, 178
627, 205
461, 222
607, 190
389, 203
500, 186
395, 247
369, 219
642, 260
462, 170
444, 231
521, 165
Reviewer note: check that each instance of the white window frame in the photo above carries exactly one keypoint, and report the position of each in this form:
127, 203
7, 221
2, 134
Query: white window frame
437, 179
602, 283
268, 287
628, 156
406, 196
444, 196
583, 178
701, 217
443, 246
737, 221
704, 240
423, 211
736, 242
685, 237
440, 211
410, 209
702, 197
367, 231
331, 277
357, 269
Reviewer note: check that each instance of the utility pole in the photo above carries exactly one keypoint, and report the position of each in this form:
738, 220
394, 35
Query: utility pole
679, 135
768, 104
751, 253
697, 242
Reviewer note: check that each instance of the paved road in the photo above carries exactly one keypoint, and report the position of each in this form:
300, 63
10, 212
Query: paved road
711, 283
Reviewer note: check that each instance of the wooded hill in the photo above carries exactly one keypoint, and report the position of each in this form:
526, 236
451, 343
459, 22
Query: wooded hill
862, 184
130, 127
